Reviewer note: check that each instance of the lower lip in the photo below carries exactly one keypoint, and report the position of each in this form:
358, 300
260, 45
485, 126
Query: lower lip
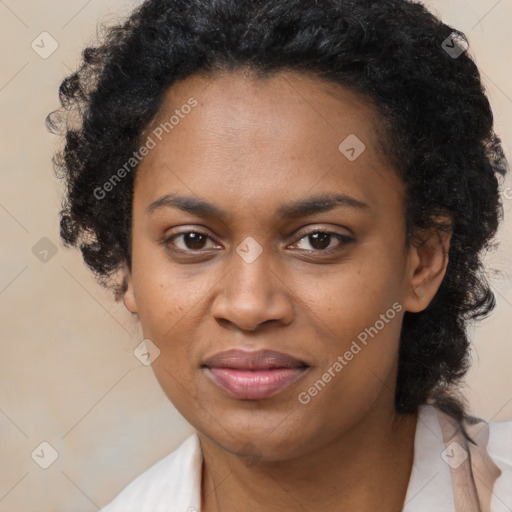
254, 385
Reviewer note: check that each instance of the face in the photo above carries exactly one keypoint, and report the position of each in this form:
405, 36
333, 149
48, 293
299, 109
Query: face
301, 250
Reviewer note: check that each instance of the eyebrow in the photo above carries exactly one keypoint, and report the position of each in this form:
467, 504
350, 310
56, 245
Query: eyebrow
295, 209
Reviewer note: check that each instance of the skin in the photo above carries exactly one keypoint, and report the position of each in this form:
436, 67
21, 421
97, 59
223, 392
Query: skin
249, 147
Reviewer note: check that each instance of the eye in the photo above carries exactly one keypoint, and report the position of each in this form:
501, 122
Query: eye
321, 241
189, 240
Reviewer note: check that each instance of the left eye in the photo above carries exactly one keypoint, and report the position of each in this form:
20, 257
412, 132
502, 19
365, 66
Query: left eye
321, 240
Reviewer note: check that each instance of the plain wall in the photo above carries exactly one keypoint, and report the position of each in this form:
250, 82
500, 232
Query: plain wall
68, 374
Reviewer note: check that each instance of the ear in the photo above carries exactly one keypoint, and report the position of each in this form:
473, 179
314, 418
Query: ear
428, 259
128, 294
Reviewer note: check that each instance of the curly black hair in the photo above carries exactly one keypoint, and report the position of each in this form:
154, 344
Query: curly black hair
438, 133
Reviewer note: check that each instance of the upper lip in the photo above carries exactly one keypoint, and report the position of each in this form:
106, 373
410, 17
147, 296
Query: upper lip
253, 360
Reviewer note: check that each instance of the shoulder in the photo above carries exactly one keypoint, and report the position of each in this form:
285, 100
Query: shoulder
500, 444
480, 467
173, 481
496, 439
499, 448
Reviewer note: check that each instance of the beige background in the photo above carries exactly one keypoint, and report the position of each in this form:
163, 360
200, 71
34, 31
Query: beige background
68, 374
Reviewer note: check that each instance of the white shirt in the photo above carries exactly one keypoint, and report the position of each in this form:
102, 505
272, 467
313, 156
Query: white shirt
174, 483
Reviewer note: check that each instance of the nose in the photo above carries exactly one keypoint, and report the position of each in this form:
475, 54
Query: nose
252, 294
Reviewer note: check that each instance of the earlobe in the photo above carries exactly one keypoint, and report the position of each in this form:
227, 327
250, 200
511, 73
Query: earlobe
428, 261
129, 293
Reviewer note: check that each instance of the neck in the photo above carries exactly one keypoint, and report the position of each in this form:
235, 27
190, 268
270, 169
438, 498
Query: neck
366, 468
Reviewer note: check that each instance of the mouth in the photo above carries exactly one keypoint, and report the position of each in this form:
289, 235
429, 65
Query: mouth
253, 375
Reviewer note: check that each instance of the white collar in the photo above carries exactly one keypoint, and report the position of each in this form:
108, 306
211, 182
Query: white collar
430, 486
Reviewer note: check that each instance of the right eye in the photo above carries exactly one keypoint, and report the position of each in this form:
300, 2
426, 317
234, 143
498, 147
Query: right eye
190, 241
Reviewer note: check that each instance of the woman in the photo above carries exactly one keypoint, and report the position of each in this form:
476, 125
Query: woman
293, 197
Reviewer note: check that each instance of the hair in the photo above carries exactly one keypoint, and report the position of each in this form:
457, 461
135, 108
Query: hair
438, 134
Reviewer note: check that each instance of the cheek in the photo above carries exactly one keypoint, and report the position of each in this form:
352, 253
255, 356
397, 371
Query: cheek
351, 298
357, 317
358, 363
171, 305
165, 293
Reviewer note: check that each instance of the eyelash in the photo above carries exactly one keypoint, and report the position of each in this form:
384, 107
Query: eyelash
343, 239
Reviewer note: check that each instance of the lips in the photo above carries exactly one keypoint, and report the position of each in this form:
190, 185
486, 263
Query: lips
253, 375
259, 360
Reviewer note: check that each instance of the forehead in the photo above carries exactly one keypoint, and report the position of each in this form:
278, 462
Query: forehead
241, 103
264, 138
